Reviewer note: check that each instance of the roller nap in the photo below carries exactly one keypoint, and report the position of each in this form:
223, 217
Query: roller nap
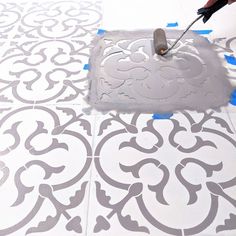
160, 42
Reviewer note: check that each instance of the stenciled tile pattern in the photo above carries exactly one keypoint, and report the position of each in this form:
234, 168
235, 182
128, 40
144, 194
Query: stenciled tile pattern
127, 75
60, 19
48, 48
44, 72
10, 16
163, 177
63, 172
47, 159
46, 155
226, 46
46, 149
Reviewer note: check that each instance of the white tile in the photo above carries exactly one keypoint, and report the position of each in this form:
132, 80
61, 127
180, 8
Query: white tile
43, 61
10, 15
133, 153
46, 72
31, 120
60, 19
46, 152
231, 110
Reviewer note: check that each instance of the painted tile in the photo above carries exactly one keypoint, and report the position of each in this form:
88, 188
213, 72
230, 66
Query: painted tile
10, 16
60, 19
46, 155
63, 172
163, 177
49, 71
44, 60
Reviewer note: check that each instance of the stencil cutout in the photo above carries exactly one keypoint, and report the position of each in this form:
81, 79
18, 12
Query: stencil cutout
126, 74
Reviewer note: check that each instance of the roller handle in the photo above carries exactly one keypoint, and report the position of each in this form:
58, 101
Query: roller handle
207, 12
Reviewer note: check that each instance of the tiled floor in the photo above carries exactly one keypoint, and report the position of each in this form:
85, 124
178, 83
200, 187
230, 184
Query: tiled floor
66, 172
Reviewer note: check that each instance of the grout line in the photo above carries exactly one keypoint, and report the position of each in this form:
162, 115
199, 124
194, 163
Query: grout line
231, 122
90, 175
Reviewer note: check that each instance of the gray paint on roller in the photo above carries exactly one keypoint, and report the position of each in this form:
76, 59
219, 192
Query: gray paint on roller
126, 74
160, 41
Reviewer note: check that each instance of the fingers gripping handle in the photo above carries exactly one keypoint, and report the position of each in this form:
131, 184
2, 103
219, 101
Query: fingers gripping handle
207, 12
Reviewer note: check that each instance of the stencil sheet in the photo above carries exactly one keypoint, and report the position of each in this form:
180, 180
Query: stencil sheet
127, 75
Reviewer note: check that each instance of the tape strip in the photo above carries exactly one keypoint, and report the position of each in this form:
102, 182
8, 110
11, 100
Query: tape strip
86, 67
233, 98
101, 31
162, 116
202, 31
231, 60
172, 24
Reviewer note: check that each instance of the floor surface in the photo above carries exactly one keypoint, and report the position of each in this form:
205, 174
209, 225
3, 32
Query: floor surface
64, 171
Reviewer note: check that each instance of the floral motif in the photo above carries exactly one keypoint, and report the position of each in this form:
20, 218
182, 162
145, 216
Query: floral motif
57, 162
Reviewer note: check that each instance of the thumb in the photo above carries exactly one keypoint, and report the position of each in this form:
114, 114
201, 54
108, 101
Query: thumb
211, 2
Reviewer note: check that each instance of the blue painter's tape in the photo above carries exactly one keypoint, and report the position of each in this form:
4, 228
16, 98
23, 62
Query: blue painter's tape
172, 24
162, 116
86, 67
231, 60
101, 32
202, 31
233, 98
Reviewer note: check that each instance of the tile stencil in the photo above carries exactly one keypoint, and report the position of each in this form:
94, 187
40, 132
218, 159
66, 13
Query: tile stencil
126, 74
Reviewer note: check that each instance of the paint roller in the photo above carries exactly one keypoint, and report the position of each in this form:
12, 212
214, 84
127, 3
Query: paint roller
159, 36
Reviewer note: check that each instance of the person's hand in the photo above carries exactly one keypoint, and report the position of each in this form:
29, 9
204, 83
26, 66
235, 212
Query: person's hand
211, 2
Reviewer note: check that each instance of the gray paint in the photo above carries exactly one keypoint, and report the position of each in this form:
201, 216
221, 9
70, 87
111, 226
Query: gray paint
127, 75
83, 140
